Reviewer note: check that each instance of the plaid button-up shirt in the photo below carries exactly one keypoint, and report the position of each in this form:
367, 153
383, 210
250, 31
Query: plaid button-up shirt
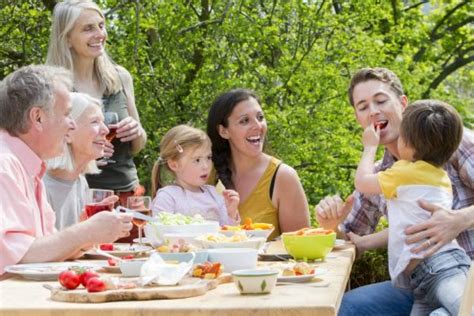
368, 209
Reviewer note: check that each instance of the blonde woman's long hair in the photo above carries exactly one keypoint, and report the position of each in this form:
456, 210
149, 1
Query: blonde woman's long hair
176, 141
80, 103
65, 16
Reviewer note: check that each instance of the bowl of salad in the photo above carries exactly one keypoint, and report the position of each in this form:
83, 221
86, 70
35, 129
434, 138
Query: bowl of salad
178, 224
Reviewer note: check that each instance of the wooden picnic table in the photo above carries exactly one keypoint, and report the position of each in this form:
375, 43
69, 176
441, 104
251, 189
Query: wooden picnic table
22, 297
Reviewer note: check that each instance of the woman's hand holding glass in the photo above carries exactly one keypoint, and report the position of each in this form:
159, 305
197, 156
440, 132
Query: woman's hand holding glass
111, 119
128, 129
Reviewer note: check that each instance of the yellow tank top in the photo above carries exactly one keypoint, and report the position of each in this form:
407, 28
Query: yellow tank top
258, 206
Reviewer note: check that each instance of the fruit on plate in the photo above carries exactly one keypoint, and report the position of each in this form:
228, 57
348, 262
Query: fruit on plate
300, 268
106, 247
69, 279
310, 231
248, 225
207, 270
112, 262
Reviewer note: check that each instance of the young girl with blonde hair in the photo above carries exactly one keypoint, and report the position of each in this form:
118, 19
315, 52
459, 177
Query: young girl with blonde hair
186, 155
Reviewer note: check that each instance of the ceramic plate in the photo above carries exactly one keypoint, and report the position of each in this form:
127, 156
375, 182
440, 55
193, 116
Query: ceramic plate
121, 250
301, 278
339, 243
106, 267
46, 271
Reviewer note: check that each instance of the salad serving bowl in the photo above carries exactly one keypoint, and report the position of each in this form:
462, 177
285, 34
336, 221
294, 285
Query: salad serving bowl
177, 224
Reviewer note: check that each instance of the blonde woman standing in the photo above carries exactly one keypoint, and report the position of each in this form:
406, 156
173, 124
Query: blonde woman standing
77, 42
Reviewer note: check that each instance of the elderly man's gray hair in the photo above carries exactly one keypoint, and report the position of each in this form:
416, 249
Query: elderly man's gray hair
25, 88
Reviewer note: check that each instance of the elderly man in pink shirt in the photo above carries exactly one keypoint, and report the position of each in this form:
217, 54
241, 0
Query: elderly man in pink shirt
34, 126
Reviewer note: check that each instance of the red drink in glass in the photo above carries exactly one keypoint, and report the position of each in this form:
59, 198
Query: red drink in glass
94, 208
112, 133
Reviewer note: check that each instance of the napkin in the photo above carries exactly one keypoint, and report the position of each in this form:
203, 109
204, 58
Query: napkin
156, 271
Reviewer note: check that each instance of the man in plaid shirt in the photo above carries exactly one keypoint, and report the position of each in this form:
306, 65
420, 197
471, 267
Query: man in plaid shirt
378, 98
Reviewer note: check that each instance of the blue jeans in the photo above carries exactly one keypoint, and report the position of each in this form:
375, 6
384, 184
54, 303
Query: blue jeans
438, 281
377, 299
384, 299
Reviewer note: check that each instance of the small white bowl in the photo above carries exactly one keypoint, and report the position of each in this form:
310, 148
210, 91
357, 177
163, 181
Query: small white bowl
255, 281
255, 243
131, 268
155, 232
199, 256
172, 239
234, 258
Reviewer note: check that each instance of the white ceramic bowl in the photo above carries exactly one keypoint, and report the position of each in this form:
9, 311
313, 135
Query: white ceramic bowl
200, 256
155, 232
234, 258
255, 243
131, 268
261, 233
173, 238
255, 281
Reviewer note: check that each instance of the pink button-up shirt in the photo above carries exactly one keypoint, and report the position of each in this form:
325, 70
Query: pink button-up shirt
24, 210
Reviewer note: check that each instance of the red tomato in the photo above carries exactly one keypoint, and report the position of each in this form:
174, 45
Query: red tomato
95, 285
86, 275
112, 262
215, 268
106, 247
69, 279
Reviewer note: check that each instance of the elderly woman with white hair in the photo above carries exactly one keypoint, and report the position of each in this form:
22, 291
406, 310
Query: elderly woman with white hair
65, 182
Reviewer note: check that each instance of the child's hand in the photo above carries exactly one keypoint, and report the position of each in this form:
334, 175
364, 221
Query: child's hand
231, 199
371, 136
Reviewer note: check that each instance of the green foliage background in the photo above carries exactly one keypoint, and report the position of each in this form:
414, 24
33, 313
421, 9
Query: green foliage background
298, 55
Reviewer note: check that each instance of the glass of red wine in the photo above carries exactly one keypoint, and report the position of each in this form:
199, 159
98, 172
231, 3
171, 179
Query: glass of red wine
96, 201
111, 119
140, 204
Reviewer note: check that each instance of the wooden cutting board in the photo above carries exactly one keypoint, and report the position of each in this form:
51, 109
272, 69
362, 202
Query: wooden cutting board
188, 287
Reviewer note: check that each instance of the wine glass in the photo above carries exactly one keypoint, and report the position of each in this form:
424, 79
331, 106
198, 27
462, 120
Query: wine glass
111, 119
95, 201
139, 204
